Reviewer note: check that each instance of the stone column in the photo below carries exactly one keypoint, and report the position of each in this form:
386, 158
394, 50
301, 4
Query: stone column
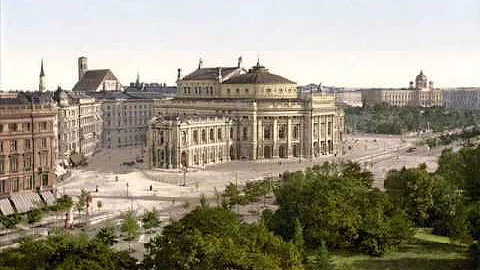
253, 124
289, 137
275, 138
260, 139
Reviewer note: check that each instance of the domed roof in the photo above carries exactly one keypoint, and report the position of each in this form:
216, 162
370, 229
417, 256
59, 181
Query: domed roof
421, 76
258, 75
60, 95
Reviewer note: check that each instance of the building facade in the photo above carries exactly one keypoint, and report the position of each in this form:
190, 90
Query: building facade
465, 98
125, 118
229, 113
80, 123
28, 142
422, 94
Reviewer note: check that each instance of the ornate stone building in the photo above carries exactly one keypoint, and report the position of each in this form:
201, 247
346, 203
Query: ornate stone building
466, 98
229, 113
422, 94
28, 147
80, 123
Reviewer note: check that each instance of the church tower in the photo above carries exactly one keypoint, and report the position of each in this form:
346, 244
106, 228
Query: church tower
82, 67
41, 84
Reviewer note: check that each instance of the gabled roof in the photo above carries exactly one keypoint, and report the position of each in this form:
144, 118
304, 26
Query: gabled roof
211, 73
92, 79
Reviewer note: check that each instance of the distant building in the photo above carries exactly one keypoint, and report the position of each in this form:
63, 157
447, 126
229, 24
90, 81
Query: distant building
466, 98
28, 149
422, 94
157, 90
80, 123
228, 113
95, 80
125, 118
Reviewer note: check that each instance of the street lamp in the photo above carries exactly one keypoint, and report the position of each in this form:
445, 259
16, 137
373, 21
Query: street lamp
185, 169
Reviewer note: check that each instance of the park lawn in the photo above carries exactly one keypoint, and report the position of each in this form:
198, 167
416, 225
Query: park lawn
424, 252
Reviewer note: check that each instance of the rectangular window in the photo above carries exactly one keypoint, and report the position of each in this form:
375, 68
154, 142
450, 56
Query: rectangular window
266, 133
13, 127
13, 163
27, 162
16, 185
28, 144
245, 133
45, 180
43, 125
13, 145
1, 128
2, 165
44, 143
2, 187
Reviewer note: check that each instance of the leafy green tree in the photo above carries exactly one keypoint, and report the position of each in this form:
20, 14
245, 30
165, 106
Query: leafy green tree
129, 225
334, 204
34, 216
321, 260
412, 190
150, 219
106, 235
298, 240
11, 221
65, 251
214, 238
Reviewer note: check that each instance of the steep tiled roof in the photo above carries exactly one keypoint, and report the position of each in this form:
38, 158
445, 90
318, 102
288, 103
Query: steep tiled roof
210, 73
92, 79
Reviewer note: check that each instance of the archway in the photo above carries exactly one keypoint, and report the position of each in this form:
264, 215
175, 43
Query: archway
267, 151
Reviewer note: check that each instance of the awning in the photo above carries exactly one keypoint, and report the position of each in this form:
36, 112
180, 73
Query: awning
48, 197
6, 208
26, 201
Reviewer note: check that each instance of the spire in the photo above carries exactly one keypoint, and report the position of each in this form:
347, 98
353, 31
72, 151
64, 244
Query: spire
41, 83
258, 60
200, 63
42, 73
137, 82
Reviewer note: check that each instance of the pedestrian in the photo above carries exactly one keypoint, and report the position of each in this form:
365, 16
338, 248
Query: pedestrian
96, 188
151, 188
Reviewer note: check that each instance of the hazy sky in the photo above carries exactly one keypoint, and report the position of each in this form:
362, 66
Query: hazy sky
354, 43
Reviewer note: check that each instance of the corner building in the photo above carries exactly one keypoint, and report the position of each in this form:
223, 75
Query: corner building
228, 113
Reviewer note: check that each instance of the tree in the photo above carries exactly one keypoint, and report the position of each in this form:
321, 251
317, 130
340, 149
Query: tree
298, 240
106, 235
129, 225
65, 251
34, 216
150, 219
336, 204
412, 190
214, 238
321, 260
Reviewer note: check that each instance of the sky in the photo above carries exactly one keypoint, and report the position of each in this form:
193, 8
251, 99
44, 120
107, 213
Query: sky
354, 43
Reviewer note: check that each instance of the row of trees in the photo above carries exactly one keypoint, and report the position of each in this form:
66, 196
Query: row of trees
337, 204
447, 200
394, 120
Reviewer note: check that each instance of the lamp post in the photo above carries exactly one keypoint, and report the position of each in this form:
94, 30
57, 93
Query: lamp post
185, 169
127, 189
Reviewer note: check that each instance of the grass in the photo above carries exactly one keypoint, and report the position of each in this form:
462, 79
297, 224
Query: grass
424, 252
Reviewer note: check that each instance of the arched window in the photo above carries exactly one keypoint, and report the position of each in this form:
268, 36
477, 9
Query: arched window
184, 137
212, 136
245, 133
282, 132
204, 136
295, 132
195, 137
266, 133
